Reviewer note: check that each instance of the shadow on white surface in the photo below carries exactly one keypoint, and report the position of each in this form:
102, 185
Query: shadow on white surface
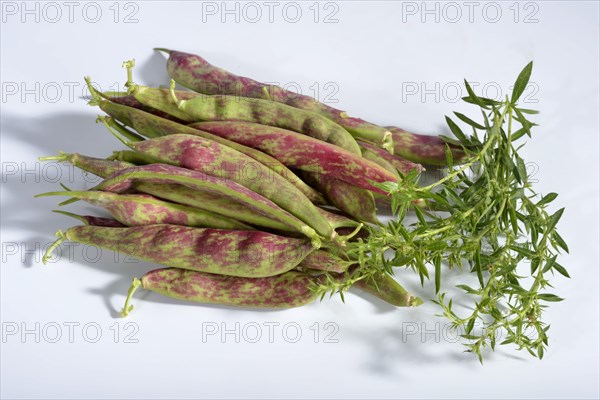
152, 72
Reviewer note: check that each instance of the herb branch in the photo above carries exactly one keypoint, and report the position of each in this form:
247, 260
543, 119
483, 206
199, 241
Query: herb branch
484, 216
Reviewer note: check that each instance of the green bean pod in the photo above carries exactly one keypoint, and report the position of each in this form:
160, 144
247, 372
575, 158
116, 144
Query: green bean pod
303, 152
150, 123
337, 220
389, 290
290, 289
214, 159
372, 156
396, 162
209, 201
322, 260
243, 253
196, 73
97, 166
92, 219
265, 112
222, 108
176, 193
140, 209
264, 210
354, 201
423, 149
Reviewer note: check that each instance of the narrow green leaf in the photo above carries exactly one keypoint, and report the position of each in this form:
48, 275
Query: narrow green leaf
560, 241
450, 140
547, 199
550, 264
549, 297
518, 134
456, 130
440, 200
521, 83
535, 263
420, 216
469, 121
472, 98
561, 270
478, 268
554, 218
527, 125
423, 273
467, 289
513, 220
449, 160
540, 351
470, 326
528, 111
438, 273
469, 337
483, 102
520, 249
436, 246
521, 169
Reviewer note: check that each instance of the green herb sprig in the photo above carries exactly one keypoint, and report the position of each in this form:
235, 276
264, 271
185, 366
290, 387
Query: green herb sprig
484, 215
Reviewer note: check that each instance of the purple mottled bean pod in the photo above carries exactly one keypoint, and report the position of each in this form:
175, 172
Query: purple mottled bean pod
197, 181
290, 289
226, 252
142, 209
354, 201
302, 152
424, 149
214, 159
93, 220
389, 290
148, 122
194, 72
323, 260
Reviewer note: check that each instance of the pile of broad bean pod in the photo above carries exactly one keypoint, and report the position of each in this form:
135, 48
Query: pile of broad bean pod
251, 195
247, 192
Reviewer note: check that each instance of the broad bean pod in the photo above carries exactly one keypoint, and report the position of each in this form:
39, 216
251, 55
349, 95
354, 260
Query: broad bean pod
196, 73
290, 289
263, 211
398, 163
92, 220
142, 209
354, 201
150, 123
389, 290
176, 193
303, 152
243, 253
220, 161
424, 149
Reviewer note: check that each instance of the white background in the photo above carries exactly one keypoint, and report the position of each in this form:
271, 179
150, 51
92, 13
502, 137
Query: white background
392, 64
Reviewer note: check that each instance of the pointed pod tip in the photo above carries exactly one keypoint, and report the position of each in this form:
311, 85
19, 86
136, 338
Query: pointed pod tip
162, 49
416, 301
